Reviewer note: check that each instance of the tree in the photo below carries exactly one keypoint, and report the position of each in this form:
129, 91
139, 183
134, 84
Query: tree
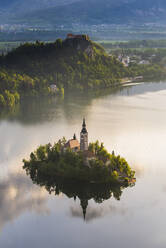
33, 157
41, 153
59, 43
2, 101
10, 99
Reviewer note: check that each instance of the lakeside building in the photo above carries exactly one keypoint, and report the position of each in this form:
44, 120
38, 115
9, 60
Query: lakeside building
53, 88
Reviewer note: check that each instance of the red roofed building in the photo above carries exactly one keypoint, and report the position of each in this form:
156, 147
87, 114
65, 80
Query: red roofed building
73, 144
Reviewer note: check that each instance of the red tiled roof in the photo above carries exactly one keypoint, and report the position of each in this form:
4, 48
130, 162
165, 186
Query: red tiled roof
72, 144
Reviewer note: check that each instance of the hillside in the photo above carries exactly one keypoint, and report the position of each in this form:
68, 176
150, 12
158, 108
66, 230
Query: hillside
77, 64
73, 64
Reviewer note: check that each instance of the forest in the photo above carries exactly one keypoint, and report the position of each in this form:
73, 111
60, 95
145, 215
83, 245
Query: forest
134, 44
31, 68
71, 65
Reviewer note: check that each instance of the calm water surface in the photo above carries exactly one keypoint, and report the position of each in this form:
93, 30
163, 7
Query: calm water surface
131, 121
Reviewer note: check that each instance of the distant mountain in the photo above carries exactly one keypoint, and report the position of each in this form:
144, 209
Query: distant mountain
6, 4
95, 11
13, 8
27, 6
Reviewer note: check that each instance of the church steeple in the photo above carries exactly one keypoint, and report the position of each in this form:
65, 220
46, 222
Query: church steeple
84, 127
84, 137
84, 204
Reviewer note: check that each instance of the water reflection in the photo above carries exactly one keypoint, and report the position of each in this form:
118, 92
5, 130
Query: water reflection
73, 105
43, 109
83, 191
96, 212
133, 123
17, 196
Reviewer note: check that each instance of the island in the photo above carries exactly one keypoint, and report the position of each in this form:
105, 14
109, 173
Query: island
78, 162
80, 170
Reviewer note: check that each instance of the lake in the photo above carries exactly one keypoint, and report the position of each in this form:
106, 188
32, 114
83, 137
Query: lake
132, 122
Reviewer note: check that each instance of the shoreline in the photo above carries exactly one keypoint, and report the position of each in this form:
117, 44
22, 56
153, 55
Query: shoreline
95, 91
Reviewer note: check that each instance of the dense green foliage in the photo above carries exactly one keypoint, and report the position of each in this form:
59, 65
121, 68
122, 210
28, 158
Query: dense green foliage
85, 191
32, 67
14, 85
77, 64
149, 72
52, 161
134, 44
9, 99
155, 57
65, 64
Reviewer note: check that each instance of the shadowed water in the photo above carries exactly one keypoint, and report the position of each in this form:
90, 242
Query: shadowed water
131, 121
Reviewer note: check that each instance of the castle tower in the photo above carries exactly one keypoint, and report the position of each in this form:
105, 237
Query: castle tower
84, 137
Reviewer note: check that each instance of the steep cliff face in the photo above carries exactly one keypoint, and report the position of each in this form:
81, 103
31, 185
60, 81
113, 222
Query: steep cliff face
80, 44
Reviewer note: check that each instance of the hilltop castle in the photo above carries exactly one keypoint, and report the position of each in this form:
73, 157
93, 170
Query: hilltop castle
75, 145
78, 36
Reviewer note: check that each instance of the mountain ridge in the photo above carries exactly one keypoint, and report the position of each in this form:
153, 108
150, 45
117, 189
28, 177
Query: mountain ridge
98, 12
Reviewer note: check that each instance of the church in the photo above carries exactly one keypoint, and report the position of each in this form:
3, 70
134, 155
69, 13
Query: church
75, 145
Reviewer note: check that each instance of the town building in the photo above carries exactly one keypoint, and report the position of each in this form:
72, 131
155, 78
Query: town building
144, 62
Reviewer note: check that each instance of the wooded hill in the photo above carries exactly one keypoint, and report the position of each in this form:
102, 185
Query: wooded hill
70, 64
77, 64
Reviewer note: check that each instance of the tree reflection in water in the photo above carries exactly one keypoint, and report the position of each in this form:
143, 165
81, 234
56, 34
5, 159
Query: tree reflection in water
84, 191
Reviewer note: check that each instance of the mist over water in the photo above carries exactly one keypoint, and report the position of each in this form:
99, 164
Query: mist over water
132, 122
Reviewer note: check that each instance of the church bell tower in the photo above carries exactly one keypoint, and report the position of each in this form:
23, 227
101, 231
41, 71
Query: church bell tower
84, 137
